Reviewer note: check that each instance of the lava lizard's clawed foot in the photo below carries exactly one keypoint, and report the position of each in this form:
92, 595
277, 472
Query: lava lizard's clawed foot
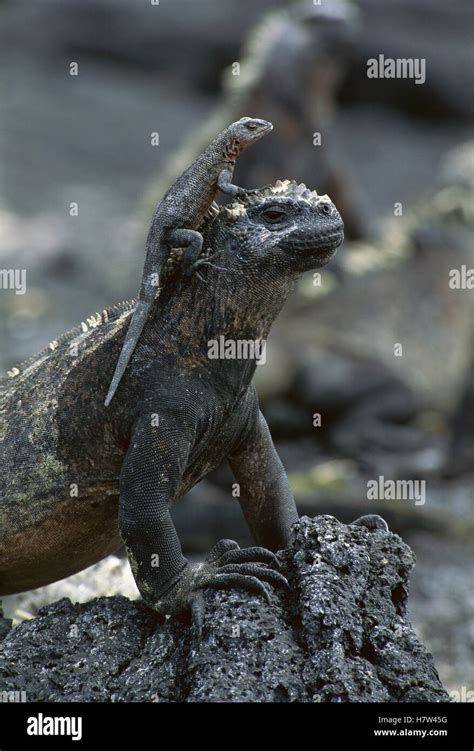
226, 567
189, 270
252, 191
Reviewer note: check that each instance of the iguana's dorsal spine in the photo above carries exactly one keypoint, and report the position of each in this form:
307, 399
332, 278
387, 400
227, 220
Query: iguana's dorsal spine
107, 315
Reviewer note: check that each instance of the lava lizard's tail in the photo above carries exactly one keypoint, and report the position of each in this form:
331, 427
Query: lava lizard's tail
139, 317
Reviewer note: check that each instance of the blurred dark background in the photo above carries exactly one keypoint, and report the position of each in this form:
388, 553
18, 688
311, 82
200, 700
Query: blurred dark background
144, 68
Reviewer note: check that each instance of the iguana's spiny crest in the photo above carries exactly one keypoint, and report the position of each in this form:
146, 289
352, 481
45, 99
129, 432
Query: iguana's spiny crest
282, 189
282, 227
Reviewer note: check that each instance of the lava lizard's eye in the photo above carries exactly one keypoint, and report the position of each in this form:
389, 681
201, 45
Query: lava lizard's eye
273, 215
251, 126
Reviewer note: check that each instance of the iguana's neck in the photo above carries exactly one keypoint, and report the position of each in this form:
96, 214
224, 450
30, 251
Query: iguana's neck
220, 324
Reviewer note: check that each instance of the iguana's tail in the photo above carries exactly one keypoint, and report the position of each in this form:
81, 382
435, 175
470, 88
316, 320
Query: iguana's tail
139, 317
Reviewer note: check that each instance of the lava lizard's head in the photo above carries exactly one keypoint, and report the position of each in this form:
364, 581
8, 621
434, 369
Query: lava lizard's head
244, 133
286, 227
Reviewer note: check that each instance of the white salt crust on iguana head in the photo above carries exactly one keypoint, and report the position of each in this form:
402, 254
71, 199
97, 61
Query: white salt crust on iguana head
286, 188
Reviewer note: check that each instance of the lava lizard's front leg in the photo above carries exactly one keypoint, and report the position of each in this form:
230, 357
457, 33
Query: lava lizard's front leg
150, 479
191, 239
225, 184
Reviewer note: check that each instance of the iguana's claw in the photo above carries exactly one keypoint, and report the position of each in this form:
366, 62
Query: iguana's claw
237, 581
248, 555
256, 569
371, 521
227, 566
198, 611
245, 568
221, 547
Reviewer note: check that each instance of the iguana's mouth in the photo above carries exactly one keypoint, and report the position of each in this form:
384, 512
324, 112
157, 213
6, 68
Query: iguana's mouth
317, 245
333, 241
323, 255
318, 251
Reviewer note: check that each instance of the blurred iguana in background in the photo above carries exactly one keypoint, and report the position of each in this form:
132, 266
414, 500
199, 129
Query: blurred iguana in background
290, 69
388, 347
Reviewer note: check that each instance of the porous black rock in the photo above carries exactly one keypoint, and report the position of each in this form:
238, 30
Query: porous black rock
339, 634
5, 624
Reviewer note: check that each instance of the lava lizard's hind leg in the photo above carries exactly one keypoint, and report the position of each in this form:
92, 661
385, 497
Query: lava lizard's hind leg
150, 478
265, 494
191, 240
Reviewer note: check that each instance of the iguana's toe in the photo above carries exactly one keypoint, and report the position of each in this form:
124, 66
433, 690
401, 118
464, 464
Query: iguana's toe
250, 555
227, 566
371, 521
247, 568
220, 548
255, 569
236, 581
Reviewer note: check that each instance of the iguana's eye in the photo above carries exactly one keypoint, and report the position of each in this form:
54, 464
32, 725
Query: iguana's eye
251, 126
273, 215
325, 209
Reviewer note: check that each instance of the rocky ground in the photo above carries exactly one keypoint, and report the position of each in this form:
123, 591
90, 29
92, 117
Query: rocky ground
341, 633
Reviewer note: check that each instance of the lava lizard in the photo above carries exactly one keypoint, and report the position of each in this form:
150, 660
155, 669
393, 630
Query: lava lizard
178, 217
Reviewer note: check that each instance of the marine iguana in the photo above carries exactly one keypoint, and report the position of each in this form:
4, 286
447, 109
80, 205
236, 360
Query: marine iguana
77, 476
178, 216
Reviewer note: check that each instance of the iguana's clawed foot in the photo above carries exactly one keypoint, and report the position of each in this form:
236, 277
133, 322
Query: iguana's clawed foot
226, 567
371, 521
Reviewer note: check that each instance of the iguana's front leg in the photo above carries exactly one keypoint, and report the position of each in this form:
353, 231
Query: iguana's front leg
265, 494
150, 478
266, 498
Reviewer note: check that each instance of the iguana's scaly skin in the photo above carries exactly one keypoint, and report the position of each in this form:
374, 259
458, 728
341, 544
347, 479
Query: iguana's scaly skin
179, 215
177, 415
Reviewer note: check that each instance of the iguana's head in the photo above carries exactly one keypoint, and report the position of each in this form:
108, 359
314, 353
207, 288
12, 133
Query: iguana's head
284, 230
255, 247
243, 133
